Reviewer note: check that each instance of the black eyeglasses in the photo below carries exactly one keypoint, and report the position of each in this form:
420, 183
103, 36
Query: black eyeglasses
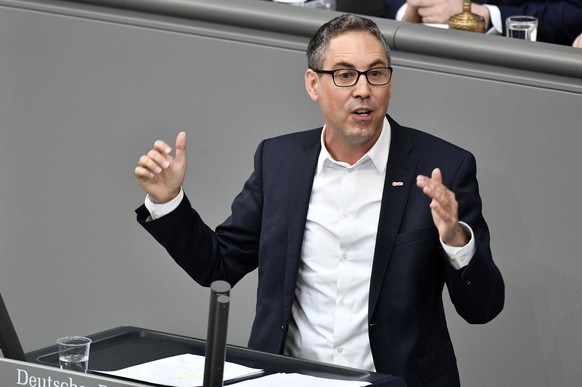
378, 76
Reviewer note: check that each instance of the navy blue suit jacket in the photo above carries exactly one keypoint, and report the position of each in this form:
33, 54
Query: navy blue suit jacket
560, 21
407, 327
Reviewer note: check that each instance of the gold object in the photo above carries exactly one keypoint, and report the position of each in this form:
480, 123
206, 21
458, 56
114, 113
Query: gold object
466, 20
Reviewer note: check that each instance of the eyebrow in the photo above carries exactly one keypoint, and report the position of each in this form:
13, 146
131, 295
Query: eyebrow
351, 66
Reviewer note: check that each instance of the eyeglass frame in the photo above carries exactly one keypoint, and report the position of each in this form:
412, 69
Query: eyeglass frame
360, 73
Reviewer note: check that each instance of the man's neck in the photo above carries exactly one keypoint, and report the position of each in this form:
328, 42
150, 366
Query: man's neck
349, 152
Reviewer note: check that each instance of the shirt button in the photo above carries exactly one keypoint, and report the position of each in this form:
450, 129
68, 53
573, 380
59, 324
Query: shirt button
344, 256
339, 350
345, 214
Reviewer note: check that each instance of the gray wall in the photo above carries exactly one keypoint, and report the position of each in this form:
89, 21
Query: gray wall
84, 91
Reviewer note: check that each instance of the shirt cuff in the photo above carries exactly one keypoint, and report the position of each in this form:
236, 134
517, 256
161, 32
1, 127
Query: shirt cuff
459, 257
401, 12
158, 210
495, 17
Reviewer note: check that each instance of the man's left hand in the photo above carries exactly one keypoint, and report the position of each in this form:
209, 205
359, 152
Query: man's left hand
444, 209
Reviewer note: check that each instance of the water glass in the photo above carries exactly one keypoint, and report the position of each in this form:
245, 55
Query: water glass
522, 27
74, 353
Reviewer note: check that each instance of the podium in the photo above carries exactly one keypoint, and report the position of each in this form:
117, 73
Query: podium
123, 347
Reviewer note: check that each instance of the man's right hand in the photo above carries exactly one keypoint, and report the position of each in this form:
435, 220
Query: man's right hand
159, 174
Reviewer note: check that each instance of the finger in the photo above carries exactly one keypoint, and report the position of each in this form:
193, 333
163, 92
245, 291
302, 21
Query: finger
444, 197
432, 187
428, 11
433, 15
411, 15
442, 194
156, 161
424, 12
143, 173
149, 163
437, 175
434, 19
427, 185
422, 183
162, 147
421, 3
181, 147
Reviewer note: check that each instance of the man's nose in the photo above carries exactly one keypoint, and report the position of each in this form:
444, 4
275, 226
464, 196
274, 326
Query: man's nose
362, 87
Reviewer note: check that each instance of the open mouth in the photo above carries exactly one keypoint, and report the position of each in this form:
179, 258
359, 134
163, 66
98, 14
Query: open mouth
362, 112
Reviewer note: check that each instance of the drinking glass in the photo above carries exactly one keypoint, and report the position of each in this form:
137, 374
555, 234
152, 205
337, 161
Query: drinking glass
74, 353
522, 27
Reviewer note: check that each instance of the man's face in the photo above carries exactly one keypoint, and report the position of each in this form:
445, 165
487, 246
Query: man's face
353, 115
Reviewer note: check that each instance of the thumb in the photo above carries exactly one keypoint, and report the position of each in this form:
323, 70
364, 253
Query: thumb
436, 175
181, 147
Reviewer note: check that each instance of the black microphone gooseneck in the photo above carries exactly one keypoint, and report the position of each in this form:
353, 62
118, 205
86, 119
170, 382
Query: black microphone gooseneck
216, 336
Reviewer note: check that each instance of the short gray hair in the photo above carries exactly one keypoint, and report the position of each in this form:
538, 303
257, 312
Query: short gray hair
319, 43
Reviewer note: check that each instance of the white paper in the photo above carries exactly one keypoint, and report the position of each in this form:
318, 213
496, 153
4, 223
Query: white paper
295, 380
185, 370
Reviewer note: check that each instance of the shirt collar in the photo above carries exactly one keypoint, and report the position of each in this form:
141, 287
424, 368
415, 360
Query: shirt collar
378, 153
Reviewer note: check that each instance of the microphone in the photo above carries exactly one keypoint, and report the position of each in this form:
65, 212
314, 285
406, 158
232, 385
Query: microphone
216, 336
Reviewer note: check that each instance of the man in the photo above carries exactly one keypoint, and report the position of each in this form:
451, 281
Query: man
559, 21
343, 224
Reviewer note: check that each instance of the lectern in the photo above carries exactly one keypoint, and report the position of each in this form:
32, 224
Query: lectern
123, 347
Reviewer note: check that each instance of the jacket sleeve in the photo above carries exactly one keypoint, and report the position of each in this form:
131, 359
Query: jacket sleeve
227, 253
477, 291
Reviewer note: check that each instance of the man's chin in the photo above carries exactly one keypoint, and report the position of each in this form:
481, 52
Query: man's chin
361, 136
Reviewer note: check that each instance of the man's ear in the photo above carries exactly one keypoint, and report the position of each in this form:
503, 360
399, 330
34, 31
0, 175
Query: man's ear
312, 84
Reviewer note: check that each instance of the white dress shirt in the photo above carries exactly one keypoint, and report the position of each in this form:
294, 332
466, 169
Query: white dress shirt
330, 312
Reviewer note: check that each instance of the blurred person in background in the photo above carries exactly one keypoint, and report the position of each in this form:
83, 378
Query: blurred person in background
559, 22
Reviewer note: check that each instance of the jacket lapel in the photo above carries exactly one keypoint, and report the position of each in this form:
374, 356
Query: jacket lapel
400, 179
300, 182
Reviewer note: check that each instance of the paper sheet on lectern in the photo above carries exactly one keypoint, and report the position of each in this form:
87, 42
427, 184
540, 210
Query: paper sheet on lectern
294, 380
185, 370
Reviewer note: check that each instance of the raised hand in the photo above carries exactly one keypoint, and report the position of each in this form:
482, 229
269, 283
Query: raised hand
161, 175
444, 209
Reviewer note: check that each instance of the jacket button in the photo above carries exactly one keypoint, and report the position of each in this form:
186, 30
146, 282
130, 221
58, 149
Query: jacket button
468, 284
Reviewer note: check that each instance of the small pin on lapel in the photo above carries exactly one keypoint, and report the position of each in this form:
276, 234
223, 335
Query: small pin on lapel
397, 184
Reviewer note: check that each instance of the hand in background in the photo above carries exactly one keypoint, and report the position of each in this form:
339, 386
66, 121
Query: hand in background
578, 42
159, 174
440, 11
432, 11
